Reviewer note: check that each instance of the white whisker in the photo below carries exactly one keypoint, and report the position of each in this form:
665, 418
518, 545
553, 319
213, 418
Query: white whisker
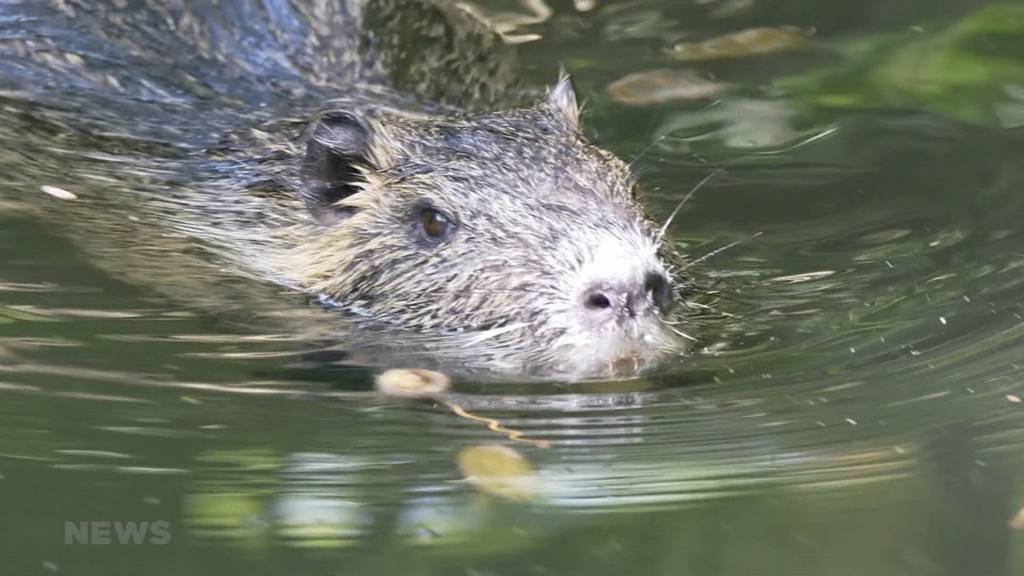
681, 333
718, 251
671, 217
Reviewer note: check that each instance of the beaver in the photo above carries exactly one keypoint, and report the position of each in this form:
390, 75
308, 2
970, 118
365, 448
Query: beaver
302, 146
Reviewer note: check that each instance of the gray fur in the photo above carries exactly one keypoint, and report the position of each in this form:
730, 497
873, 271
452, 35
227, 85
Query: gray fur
540, 215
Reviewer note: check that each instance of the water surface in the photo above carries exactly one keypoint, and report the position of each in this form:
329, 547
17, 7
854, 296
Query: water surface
853, 406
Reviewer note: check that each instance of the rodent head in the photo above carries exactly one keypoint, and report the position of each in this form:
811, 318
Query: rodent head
505, 230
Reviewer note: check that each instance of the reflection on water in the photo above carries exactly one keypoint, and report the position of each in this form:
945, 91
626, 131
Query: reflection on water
854, 405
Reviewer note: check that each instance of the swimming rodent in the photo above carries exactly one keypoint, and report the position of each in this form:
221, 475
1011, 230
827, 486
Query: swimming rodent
304, 146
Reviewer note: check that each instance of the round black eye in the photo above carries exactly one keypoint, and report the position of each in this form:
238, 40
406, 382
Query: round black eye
434, 224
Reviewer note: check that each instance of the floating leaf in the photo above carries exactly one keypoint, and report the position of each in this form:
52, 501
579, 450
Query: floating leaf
750, 42
662, 85
498, 470
1017, 522
412, 383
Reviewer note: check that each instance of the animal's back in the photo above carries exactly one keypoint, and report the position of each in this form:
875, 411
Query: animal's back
163, 69
164, 117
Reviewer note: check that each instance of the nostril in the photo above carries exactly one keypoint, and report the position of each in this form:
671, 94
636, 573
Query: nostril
656, 284
597, 301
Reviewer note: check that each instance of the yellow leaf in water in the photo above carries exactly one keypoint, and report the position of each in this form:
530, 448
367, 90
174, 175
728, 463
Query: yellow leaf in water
1017, 522
498, 470
663, 85
412, 383
750, 42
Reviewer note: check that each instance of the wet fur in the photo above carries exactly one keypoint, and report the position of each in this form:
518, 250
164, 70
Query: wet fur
221, 180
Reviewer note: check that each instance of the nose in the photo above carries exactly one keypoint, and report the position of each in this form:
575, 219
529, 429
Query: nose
630, 297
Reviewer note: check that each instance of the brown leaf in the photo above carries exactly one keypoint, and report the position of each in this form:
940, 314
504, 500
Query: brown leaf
750, 42
662, 85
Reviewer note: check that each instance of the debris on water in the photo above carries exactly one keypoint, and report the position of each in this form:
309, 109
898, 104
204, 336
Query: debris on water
413, 383
496, 426
429, 385
509, 24
805, 277
498, 470
1017, 522
750, 42
663, 85
59, 193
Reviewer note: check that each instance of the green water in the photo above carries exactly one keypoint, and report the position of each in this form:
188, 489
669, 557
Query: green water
853, 408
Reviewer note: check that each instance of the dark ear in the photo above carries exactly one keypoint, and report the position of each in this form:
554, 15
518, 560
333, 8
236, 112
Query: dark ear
338, 144
562, 99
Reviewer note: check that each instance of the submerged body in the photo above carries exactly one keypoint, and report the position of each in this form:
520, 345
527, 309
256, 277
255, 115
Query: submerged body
306, 154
